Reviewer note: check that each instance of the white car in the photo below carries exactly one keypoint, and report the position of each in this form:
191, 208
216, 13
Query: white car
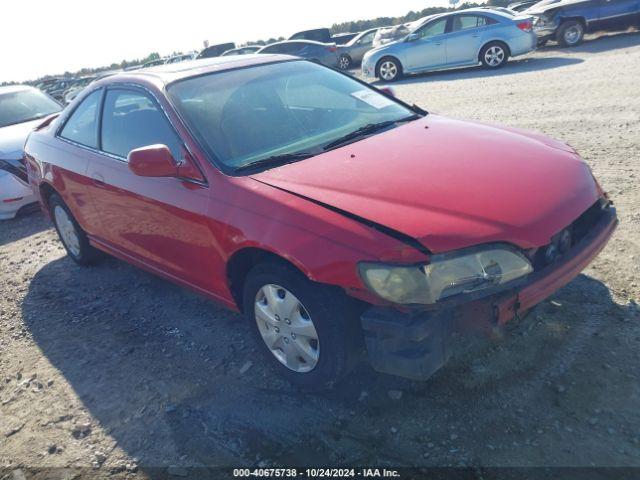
22, 108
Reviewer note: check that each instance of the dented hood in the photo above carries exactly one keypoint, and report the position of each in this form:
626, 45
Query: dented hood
449, 184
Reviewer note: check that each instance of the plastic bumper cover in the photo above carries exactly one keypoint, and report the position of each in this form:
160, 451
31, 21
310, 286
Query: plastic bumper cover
14, 194
416, 344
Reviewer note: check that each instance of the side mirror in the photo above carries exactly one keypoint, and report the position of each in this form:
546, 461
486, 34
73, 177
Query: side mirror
388, 91
412, 37
152, 161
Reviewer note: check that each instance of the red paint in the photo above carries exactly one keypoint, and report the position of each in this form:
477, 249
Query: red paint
452, 185
152, 161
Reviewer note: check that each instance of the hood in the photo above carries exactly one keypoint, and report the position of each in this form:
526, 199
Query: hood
13, 138
537, 9
449, 184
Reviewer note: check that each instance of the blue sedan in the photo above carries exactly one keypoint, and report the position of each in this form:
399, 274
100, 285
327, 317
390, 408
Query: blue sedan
451, 40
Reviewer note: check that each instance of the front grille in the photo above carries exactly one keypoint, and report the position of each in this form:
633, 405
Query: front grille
570, 236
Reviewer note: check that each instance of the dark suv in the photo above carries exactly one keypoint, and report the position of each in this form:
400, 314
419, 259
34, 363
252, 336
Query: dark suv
566, 21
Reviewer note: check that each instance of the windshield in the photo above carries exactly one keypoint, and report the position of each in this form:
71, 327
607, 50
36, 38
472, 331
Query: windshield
250, 114
25, 105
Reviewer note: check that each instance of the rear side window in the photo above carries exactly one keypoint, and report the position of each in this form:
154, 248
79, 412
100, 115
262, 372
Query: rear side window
271, 49
82, 126
466, 22
131, 120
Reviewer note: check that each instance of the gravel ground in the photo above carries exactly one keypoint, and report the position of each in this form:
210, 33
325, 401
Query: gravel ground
114, 370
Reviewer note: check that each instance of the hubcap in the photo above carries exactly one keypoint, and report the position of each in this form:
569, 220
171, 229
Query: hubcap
286, 328
572, 34
388, 70
494, 56
67, 229
344, 63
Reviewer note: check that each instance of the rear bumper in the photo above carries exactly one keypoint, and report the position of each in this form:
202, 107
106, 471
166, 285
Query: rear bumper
416, 344
522, 44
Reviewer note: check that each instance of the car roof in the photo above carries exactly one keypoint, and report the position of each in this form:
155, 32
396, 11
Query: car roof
297, 40
171, 72
481, 11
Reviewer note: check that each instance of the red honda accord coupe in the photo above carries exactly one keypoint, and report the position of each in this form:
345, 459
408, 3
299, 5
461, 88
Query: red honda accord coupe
335, 217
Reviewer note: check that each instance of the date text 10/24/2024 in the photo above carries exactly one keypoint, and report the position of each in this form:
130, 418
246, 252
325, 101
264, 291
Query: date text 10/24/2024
316, 473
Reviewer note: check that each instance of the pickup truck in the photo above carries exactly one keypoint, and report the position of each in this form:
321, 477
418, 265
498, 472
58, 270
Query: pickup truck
567, 21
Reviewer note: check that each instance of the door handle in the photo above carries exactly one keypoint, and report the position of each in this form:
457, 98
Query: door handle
98, 180
438, 43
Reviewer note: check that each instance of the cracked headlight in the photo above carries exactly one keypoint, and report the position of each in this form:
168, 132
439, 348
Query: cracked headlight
445, 276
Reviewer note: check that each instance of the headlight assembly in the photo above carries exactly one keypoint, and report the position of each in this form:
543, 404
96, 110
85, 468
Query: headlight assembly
445, 276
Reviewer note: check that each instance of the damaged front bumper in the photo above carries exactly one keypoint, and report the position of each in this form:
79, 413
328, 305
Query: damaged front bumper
416, 343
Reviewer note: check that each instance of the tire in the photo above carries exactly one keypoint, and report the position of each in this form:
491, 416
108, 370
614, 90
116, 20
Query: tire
542, 43
322, 312
570, 33
494, 55
73, 238
344, 62
389, 69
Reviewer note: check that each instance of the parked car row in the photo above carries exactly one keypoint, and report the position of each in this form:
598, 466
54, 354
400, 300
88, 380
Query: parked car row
490, 35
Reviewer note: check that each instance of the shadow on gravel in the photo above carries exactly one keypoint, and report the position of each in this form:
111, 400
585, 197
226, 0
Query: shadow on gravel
161, 370
515, 66
27, 223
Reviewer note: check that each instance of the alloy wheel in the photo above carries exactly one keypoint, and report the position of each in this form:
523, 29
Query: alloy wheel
388, 70
494, 56
344, 62
68, 232
286, 328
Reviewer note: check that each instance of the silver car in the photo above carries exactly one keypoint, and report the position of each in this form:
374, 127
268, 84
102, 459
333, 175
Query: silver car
351, 53
22, 108
452, 40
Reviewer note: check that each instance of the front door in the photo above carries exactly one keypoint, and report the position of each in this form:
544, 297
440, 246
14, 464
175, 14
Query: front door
427, 46
158, 221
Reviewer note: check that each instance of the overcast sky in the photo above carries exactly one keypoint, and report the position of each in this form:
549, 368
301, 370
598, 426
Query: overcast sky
39, 37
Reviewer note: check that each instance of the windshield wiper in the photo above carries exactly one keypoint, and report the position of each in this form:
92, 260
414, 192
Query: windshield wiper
366, 130
275, 160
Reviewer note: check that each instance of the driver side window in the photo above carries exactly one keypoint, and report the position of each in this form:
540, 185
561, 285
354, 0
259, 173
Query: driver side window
130, 119
432, 29
367, 39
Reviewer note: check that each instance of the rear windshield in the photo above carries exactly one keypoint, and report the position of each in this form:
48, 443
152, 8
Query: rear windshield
25, 105
250, 114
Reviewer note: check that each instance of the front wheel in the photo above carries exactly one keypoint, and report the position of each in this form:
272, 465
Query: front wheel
570, 33
344, 62
494, 55
389, 69
307, 331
